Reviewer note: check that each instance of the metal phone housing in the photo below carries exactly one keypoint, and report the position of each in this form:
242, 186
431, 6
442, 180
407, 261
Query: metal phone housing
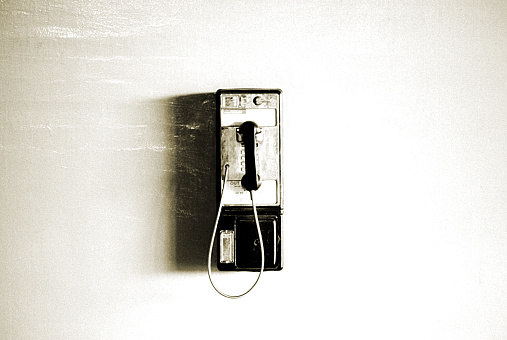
238, 245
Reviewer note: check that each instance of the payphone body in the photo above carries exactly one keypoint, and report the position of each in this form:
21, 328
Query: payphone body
238, 240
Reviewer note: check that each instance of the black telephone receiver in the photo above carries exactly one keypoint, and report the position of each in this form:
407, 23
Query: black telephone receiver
250, 141
251, 180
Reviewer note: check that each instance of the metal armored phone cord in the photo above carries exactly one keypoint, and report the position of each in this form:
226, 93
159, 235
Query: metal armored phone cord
213, 240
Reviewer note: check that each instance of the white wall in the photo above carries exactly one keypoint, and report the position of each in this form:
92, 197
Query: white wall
396, 168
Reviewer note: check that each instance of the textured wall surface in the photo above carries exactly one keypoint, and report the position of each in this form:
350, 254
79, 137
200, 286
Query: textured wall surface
396, 168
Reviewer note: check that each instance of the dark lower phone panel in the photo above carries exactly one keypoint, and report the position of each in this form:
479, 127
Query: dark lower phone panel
247, 250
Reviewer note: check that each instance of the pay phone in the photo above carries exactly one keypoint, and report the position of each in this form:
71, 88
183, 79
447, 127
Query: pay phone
250, 183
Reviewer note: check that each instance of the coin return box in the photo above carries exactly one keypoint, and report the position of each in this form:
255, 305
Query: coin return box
239, 248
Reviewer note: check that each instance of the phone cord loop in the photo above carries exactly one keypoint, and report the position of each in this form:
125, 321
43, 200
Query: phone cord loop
214, 234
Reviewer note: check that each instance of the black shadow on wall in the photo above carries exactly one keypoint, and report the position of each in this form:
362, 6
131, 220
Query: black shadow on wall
191, 179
